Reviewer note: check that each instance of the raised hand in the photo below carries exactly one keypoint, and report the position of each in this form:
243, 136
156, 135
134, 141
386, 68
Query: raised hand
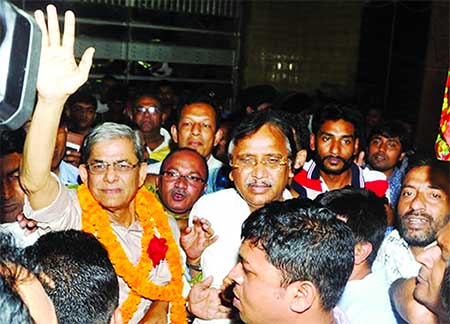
194, 240
59, 74
205, 303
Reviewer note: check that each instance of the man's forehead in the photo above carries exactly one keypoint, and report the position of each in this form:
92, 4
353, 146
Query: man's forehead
432, 177
337, 125
275, 138
83, 105
198, 107
186, 158
386, 138
10, 162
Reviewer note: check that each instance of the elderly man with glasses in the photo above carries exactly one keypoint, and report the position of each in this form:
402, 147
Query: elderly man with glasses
112, 203
262, 154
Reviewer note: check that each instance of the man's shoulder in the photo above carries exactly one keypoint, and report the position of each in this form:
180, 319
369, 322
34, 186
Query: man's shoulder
372, 175
219, 197
367, 301
375, 181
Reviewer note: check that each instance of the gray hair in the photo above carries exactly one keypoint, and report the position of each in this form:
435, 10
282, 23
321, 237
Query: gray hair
111, 131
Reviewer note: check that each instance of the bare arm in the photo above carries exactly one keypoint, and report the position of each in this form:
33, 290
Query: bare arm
407, 306
156, 314
59, 76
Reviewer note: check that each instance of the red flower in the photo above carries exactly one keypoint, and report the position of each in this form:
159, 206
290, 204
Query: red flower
157, 249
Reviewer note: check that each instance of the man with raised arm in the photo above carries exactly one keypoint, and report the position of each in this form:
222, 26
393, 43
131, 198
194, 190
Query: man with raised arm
111, 203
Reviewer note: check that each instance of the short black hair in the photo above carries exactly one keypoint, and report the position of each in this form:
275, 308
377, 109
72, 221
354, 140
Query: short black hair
304, 243
364, 212
253, 122
393, 128
86, 289
12, 141
147, 94
256, 95
82, 96
335, 112
205, 99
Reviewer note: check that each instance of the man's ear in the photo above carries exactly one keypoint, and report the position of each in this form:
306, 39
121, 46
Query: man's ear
218, 136
402, 156
312, 142
116, 318
300, 159
174, 133
362, 252
157, 179
142, 173
82, 170
356, 146
230, 175
302, 295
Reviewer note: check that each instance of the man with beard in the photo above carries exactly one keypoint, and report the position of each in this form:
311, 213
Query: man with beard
148, 116
181, 182
423, 209
336, 131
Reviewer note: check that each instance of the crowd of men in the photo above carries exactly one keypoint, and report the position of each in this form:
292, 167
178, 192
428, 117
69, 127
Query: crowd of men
131, 217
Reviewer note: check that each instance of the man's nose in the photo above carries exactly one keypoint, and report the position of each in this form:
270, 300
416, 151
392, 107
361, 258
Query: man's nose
181, 182
196, 128
418, 202
335, 147
111, 175
6, 189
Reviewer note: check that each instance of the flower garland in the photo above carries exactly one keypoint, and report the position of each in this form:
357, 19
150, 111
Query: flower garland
151, 215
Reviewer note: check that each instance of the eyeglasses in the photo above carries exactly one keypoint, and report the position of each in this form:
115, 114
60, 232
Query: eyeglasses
174, 176
149, 109
270, 161
101, 167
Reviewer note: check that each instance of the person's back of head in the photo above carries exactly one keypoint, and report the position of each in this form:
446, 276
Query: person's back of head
256, 98
362, 210
306, 243
83, 284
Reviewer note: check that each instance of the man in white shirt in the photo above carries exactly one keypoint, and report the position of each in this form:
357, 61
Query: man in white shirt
263, 153
366, 298
294, 261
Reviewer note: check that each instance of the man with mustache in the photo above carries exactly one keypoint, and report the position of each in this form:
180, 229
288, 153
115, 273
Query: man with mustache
423, 209
387, 151
197, 128
262, 155
148, 116
336, 130
181, 182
